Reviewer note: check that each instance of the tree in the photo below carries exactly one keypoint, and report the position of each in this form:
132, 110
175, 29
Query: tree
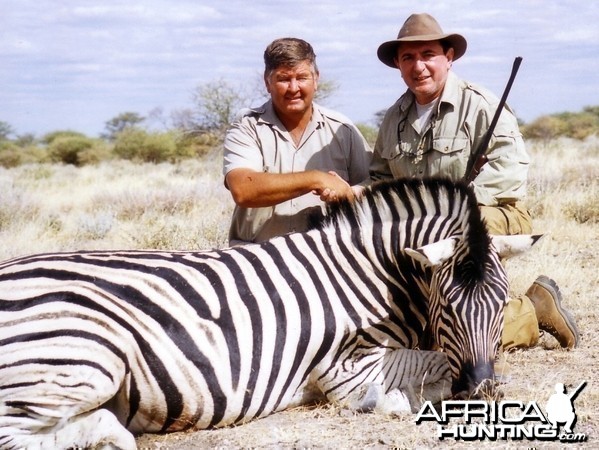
217, 103
24, 140
5, 130
378, 117
591, 110
326, 88
121, 122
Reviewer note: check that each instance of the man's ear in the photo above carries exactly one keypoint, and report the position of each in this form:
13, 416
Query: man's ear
450, 55
267, 82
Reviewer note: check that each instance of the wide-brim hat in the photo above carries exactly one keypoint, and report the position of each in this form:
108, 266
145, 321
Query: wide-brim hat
420, 28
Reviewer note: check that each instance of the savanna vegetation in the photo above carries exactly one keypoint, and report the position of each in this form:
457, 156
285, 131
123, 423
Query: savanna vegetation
140, 188
193, 132
122, 203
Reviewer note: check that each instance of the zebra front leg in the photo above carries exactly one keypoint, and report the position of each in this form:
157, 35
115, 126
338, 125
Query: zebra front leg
390, 381
421, 375
372, 397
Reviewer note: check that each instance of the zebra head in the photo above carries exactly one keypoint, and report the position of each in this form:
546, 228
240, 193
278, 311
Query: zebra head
468, 292
465, 312
428, 243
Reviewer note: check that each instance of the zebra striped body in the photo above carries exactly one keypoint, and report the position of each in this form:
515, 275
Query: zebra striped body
173, 340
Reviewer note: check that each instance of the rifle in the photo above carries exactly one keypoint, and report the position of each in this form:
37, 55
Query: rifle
479, 157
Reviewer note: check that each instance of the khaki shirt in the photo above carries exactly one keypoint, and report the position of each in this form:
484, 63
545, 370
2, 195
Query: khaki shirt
258, 140
443, 147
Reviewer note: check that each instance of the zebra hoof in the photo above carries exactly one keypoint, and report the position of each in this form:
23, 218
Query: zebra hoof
372, 397
395, 402
366, 398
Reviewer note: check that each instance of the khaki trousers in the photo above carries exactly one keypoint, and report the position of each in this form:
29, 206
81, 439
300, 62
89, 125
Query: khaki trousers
521, 328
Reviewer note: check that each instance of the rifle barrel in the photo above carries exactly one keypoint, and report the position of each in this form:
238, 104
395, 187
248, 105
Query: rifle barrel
471, 169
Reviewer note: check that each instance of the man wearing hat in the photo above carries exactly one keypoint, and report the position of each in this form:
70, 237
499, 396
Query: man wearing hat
433, 129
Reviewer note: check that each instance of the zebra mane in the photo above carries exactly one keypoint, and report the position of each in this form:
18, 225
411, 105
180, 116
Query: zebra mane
392, 198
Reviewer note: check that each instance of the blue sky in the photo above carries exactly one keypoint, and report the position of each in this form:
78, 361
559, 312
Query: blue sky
77, 64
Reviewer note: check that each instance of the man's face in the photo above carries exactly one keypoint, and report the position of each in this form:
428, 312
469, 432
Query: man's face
292, 89
424, 67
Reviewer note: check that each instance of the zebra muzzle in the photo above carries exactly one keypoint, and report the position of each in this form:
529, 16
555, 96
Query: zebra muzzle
476, 382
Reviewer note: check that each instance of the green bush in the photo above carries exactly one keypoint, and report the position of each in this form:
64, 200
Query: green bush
51, 137
578, 125
581, 126
158, 147
100, 151
128, 143
67, 149
191, 145
139, 145
10, 154
369, 133
13, 155
544, 128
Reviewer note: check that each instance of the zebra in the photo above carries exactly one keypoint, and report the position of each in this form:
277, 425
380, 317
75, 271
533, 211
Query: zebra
98, 346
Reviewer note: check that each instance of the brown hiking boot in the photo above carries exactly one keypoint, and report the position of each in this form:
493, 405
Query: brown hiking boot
547, 299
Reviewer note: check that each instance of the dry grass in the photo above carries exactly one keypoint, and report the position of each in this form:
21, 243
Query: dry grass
185, 206
113, 205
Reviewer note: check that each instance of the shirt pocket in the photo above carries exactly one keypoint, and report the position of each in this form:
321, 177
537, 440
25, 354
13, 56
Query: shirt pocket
451, 155
451, 145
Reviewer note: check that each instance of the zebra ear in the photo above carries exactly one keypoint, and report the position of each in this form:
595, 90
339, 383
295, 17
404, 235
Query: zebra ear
433, 254
508, 246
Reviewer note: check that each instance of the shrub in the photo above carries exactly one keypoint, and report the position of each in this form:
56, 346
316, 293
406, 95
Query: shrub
128, 142
139, 145
369, 133
190, 145
545, 128
99, 152
67, 149
158, 147
583, 125
51, 137
578, 125
12, 155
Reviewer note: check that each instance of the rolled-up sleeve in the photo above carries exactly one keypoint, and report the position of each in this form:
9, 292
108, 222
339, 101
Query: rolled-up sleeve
242, 147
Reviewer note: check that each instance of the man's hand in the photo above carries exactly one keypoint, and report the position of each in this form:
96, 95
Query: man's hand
336, 188
252, 189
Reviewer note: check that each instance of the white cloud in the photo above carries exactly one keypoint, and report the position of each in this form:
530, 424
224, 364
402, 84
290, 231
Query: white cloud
73, 63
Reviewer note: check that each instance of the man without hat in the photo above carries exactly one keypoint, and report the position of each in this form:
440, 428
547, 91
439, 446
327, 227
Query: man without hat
284, 159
